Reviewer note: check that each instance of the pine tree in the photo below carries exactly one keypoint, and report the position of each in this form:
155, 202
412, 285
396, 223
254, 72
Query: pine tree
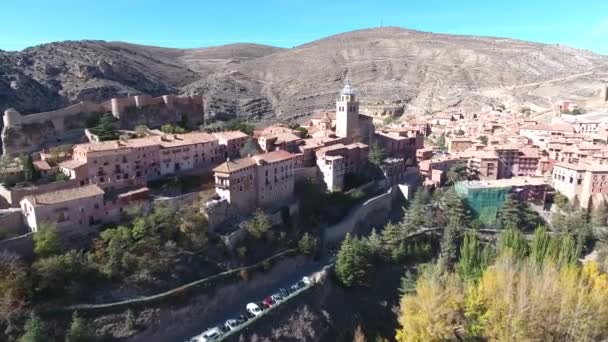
510, 215
30, 173
35, 329
417, 214
454, 207
307, 244
470, 263
80, 331
374, 241
441, 142
376, 155
352, 265
249, 149
599, 215
448, 244
391, 236
105, 129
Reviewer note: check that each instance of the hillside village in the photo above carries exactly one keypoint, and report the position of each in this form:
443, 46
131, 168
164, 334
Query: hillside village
99, 180
221, 189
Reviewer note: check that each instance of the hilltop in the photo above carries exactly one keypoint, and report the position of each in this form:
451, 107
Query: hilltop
391, 68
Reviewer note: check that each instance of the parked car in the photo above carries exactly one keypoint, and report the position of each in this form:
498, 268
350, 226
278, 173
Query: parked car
268, 302
232, 324
284, 292
306, 280
254, 309
208, 335
276, 297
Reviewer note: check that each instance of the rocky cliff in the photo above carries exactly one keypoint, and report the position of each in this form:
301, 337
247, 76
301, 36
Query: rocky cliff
394, 70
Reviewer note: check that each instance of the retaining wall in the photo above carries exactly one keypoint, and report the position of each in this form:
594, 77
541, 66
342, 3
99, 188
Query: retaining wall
179, 201
12, 223
375, 210
22, 245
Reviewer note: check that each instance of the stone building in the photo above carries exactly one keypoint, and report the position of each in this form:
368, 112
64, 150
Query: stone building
85, 206
587, 183
231, 143
337, 161
133, 162
254, 182
459, 144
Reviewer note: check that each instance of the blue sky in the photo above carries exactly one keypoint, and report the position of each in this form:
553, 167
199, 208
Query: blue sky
287, 23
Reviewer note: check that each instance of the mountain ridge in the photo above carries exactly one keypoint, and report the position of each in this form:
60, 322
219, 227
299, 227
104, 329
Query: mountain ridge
400, 70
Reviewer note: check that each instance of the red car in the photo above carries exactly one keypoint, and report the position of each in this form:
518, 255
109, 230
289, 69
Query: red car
268, 302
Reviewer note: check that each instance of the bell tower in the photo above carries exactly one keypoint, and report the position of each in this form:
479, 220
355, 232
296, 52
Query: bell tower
347, 112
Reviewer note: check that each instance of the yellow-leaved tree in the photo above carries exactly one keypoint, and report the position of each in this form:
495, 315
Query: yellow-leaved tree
540, 296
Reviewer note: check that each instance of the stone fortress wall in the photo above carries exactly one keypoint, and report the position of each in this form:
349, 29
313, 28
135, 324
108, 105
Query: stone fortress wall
29, 133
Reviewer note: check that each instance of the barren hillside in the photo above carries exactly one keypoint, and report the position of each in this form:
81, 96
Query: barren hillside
415, 72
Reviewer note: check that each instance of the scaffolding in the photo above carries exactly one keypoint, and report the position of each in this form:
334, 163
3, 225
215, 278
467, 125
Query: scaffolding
484, 202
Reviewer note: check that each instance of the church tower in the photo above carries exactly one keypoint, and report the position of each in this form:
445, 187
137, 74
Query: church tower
347, 113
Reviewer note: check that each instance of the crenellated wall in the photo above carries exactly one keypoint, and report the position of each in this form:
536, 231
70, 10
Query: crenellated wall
29, 133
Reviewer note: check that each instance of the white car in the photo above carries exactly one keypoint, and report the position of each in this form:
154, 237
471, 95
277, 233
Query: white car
306, 280
276, 297
231, 324
208, 335
254, 309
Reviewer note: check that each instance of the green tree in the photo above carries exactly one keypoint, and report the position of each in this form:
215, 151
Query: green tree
194, 226
250, 148
454, 207
239, 125
473, 257
172, 129
461, 172
562, 202
418, 215
302, 131
105, 129
55, 275
35, 329
80, 330
307, 244
540, 245
599, 215
376, 155
30, 174
483, 139
46, 241
510, 215
113, 251
441, 142
449, 243
375, 244
352, 264
392, 237
259, 225
513, 243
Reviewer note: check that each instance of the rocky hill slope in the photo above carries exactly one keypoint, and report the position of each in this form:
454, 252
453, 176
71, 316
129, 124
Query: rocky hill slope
392, 68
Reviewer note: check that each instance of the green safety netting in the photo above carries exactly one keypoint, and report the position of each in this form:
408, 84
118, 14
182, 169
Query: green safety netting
484, 202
